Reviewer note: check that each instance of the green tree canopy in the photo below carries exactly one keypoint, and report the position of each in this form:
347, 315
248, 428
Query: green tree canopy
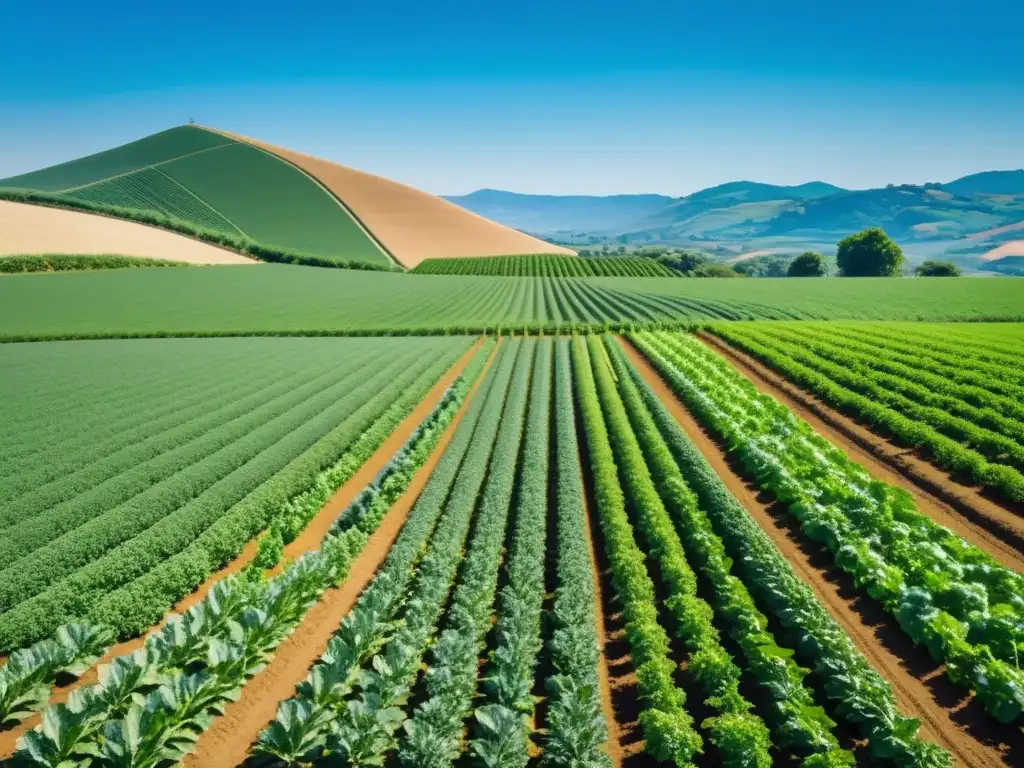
807, 264
932, 268
870, 253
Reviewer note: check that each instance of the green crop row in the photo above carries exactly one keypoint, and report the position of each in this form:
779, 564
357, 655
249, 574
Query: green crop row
856, 692
667, 726
345, 711
795, 720
905, 427
228, 636
996, 437
741, 737
433, 733
503, 721
153, 190
150, 706
62, 262
103, 570
945, 593
544, 265
230, 240
577, 731
279, 300
995, 405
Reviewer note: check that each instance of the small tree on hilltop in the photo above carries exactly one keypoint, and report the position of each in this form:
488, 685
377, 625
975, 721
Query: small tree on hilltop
870, 253
807, 264
938, 269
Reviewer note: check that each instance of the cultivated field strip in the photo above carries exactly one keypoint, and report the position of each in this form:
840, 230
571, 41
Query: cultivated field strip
153, 190
412, 585
109, 535
580, 714
280, 299
944, 593
172, 653
186, 435
964, 428
795, 723
545, 265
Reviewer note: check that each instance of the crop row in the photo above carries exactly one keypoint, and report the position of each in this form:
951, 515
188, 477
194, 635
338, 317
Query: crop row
125, 567
985, 383
741, 737
433, 734
946, 594
196, 663
142, 492
503, 732
577, 730
667, 727
795, 721
151, 189
346, 706
62, 262
544, 265
855, 692
906, 389
952, 443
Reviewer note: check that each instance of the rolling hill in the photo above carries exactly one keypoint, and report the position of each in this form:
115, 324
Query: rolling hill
246, 189
746, 216
988, 183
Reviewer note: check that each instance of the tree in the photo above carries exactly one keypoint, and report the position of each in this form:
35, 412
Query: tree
932, 268
870, 253
715, 270
807, 264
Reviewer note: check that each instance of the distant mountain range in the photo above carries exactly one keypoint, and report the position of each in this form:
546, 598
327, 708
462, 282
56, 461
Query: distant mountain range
979, 210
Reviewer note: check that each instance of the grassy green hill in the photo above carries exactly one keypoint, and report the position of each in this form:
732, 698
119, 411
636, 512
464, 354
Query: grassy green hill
215, 183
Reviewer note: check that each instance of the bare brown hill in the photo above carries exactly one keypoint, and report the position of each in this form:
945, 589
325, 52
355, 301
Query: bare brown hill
412, 225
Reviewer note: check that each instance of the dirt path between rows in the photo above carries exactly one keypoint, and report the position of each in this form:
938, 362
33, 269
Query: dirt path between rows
227, 741
307, 541
964, 510
609, 640
949, 715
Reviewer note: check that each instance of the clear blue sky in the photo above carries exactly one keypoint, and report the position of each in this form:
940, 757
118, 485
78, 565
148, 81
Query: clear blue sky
558, 97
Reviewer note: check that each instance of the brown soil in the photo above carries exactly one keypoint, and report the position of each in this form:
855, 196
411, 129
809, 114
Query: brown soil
963, 509
949, 715
227, 742
307, 541
412, 225
37, 229
612, 642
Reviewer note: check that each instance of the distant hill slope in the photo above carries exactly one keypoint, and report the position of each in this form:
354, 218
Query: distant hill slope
217, 183
274, 196
411, 224
547, 214
988, 183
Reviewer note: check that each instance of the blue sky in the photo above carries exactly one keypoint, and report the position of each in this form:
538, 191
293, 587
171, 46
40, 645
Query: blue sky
549, 97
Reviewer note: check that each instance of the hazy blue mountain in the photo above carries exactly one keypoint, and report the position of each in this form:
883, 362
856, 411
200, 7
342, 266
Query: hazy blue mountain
988, 183
546, 214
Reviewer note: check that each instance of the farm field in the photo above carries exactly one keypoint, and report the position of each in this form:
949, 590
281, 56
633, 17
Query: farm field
557, 564
952, 393
298, 299
121, 494
545, 265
